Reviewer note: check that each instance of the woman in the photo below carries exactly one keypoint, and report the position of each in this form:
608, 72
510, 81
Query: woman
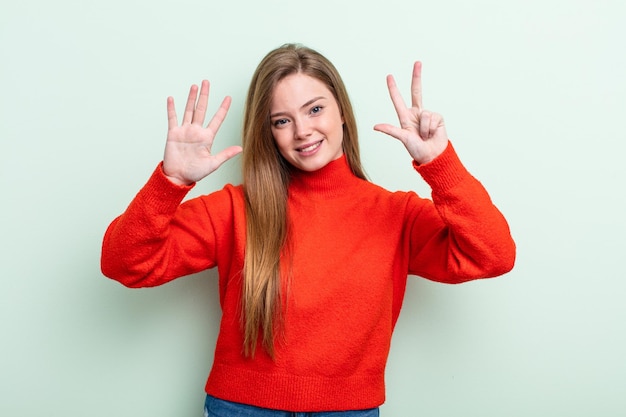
312, 258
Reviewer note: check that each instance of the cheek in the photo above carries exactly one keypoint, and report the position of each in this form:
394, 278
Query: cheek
335, 123
280, 138
336, 127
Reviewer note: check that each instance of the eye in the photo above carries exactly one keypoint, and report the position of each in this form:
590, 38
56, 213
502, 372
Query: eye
316, 109
280, 122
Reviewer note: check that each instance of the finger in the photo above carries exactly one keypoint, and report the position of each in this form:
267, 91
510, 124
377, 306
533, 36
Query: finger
226, 154
391, 130
220, 115
200, 111
436, 122
172, 121
396, 99
416, 86
424, 125
191, 104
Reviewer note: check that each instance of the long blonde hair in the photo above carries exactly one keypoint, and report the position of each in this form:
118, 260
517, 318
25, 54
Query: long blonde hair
266, 177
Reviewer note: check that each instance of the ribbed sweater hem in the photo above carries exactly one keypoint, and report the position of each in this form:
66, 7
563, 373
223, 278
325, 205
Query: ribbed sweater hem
296, 393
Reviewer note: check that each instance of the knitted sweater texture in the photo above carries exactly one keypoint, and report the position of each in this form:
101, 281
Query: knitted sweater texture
354, 243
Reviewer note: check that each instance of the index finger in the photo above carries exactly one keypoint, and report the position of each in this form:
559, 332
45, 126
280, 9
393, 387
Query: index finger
396, 99
416, 86
220, 115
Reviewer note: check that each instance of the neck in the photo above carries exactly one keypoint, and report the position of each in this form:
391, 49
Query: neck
334, 179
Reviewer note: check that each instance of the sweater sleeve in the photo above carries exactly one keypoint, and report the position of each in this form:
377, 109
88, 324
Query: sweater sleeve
158, 239
460, 235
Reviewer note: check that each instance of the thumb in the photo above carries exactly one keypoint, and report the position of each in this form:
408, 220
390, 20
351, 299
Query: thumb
227, 154
391, 130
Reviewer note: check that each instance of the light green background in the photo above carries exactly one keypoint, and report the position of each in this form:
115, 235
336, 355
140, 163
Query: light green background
533, 93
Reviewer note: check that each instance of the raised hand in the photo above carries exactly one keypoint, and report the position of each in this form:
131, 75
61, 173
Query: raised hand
188, 157
422, 132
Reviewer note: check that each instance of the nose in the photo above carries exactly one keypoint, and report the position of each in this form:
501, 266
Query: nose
303, 128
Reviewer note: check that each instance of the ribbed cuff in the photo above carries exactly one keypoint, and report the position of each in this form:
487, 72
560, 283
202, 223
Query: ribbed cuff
443, 172
161, 193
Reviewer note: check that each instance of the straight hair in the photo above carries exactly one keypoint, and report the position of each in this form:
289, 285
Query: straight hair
266, 176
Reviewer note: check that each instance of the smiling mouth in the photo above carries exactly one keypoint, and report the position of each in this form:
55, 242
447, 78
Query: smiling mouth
311, 147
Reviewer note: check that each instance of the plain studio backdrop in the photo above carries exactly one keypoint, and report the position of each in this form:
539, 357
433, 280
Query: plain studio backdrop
533, 97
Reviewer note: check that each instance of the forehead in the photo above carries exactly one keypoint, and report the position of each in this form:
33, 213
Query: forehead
296, 89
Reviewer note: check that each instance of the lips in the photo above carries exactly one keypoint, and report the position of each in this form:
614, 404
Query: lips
310, 148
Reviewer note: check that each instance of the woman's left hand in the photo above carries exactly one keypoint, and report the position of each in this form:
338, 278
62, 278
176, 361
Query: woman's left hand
421, 131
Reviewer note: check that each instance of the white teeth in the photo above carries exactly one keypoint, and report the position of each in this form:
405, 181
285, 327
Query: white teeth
310, 148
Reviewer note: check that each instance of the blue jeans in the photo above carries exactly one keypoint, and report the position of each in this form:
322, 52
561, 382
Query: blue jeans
214, 407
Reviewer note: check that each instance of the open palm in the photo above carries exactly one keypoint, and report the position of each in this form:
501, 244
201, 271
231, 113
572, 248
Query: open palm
188, 156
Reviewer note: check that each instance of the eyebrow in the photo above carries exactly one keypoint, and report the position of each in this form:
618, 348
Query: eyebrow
308, 103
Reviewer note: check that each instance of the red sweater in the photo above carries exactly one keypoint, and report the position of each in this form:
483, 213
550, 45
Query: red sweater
355, 244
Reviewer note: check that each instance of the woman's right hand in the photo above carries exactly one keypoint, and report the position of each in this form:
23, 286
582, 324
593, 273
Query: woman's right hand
188, 157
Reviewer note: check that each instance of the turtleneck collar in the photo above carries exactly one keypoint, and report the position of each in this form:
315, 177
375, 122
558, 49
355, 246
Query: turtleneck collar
334, 179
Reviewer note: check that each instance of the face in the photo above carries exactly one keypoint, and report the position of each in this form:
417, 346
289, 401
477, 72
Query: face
306, 122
